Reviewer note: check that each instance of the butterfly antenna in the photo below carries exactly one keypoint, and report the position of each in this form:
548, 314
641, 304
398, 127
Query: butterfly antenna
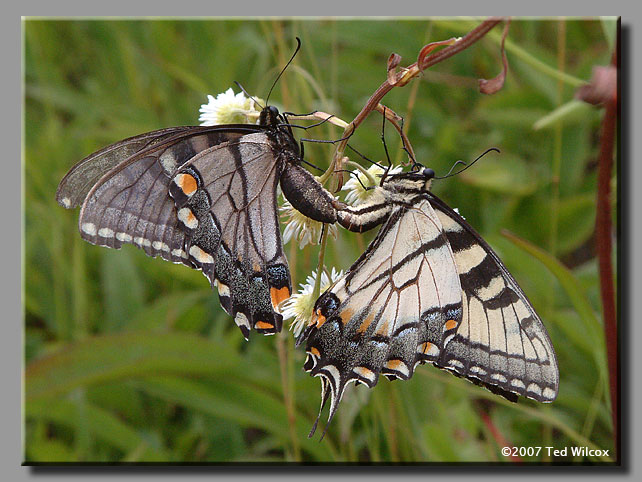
364, 157
385, 146
356, 176
453, 167
248, 95
450, 173
298, 46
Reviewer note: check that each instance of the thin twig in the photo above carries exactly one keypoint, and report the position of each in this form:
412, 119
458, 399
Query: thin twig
404, 76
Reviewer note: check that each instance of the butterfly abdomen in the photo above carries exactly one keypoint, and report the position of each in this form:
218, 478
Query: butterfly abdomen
367, 215
307, 195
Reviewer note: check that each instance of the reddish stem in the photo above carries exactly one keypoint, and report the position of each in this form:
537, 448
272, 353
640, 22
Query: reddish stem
603, 233
402, 78
497, 435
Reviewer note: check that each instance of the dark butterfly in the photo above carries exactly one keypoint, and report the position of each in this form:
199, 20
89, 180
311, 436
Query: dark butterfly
204, 197
427, 289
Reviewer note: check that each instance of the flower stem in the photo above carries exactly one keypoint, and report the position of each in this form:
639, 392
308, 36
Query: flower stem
317, 282
401, 78
362, 170
285, 357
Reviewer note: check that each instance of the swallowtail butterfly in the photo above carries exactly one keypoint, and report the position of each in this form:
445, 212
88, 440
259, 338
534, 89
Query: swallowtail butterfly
428, 288
204, 197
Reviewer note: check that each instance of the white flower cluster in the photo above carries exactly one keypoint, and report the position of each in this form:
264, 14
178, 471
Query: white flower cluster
227, 108
360, 188
302, 228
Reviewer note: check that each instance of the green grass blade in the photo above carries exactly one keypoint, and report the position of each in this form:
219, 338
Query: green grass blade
102, 424
128, 355
235, 400
572, 111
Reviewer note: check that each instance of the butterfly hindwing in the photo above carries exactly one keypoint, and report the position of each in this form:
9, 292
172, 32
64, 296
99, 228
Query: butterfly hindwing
131, 206
397, 306
501, 341
226, 203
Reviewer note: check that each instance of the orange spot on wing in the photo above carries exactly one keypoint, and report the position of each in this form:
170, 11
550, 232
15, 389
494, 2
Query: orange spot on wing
320, 319
314, 351
346, 315
262, 325
425, 347
451, 325
366, 323
393, 364
364, 372
383, 331
187, 183
278, 295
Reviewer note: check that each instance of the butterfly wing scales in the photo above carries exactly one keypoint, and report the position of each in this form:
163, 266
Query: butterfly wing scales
125, 194
397, 306
365, 325
131, 206
232, 187
501, 342
130, 203
77, 183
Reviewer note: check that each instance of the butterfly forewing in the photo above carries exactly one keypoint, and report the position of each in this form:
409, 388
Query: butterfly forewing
130, 203
501, 341
77, 183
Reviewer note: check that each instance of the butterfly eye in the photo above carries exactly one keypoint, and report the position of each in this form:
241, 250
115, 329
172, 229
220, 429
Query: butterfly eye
428, 173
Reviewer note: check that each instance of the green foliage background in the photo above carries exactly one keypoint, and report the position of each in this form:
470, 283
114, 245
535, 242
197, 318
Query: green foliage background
132, 359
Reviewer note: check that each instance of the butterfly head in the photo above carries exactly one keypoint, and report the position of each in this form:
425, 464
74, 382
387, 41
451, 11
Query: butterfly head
270, 116
418, 179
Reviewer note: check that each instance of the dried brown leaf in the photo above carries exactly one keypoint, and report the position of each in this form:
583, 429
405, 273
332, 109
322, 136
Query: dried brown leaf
495, 84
